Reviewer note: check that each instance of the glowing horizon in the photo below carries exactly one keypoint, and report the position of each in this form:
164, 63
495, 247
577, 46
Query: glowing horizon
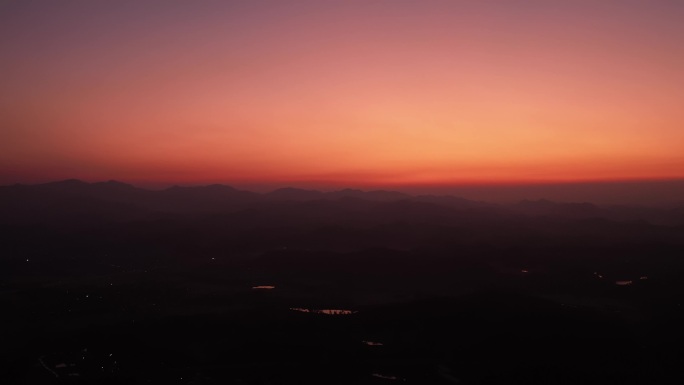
342, 93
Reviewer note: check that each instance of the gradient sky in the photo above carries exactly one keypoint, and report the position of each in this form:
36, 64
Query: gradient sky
341, 92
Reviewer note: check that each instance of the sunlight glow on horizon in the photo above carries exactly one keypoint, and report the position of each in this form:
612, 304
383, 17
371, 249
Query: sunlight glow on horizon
357, 93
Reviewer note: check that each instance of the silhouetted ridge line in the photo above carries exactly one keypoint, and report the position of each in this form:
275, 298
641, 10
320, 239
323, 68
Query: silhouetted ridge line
76, 201
294, 194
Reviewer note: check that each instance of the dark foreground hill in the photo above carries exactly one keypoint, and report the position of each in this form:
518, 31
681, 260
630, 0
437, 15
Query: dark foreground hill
107, 283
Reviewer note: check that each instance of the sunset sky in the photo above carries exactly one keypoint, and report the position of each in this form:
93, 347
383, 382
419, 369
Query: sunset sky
341, 93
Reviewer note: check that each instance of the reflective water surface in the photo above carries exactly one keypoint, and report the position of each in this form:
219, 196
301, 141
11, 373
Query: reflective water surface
324, 311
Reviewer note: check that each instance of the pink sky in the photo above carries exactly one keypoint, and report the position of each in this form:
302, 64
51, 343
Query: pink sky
363, 93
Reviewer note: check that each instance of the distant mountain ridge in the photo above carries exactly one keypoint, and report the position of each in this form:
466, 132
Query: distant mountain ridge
75, 200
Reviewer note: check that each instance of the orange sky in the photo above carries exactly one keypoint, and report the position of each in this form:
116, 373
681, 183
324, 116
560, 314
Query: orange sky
341, 92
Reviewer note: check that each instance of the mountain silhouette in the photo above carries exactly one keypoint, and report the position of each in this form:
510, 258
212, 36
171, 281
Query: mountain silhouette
81, 202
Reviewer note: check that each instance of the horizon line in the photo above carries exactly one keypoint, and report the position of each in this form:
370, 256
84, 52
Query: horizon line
355, 185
